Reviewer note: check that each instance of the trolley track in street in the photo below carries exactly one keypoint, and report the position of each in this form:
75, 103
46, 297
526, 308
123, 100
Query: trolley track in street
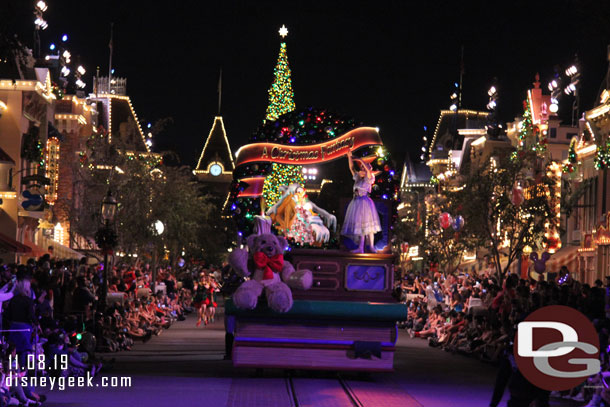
335, 391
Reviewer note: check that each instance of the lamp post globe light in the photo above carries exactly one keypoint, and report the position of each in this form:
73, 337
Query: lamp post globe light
109, 206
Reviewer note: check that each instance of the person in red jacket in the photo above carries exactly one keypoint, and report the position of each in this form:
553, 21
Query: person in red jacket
129, 277
211, 299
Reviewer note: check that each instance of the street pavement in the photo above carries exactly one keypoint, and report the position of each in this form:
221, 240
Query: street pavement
184, 366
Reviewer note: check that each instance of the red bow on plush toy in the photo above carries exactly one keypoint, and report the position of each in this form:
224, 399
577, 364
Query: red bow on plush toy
268, 264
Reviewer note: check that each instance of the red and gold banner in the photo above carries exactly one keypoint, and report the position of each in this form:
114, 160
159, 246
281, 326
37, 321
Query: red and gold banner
311, 154
254, 187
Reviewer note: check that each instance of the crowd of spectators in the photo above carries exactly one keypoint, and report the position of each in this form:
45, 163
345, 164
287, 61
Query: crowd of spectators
53, 308
478, 315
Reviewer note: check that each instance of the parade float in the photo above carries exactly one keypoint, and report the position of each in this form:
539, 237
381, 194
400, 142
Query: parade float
312, 299
315, 296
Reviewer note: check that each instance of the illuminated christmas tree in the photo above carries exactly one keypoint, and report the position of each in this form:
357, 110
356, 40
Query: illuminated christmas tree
530, 136
280, 93
280, 102
570, 166
280, 175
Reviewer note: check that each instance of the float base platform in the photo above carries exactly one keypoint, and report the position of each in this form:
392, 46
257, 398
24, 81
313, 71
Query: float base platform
320, 335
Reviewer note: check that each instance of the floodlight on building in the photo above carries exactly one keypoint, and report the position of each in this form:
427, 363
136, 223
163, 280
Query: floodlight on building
41, 6
40, 23
571, 71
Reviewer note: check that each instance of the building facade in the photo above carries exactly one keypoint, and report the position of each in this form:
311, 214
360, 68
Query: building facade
26, 133
215, 167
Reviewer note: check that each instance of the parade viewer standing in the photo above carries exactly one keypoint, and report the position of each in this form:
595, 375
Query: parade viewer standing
361, 219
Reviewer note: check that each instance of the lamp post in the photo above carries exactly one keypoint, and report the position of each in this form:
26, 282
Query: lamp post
159, 228
108, 209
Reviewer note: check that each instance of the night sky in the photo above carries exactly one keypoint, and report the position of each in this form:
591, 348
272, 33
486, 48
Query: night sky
390, 64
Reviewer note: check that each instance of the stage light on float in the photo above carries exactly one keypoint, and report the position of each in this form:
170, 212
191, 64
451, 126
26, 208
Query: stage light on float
52, 46
64, 37
65, 71
81, 70
554, 107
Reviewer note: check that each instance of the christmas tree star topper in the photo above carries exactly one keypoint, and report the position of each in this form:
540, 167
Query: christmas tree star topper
283, 31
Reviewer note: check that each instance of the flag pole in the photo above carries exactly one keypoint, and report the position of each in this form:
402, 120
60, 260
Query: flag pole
110, 58
219, 91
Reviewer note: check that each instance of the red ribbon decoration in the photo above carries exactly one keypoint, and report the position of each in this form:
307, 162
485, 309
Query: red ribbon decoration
268, 264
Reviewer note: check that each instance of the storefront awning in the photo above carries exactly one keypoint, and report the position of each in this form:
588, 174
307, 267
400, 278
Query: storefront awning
34, 251
10, 245
566, 256
59, 250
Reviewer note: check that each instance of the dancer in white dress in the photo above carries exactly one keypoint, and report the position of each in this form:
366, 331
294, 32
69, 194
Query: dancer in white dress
361, 219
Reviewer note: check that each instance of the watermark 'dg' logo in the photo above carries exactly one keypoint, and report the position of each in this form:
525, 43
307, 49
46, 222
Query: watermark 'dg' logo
557, 348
